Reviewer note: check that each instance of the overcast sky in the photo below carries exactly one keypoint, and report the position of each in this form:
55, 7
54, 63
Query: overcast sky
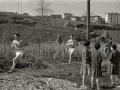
76, 7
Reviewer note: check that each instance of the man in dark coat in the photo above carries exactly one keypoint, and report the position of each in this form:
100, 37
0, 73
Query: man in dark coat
114, 59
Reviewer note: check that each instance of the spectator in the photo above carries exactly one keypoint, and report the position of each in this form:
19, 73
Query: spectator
114, 59
85, 67
59, 40
96, 66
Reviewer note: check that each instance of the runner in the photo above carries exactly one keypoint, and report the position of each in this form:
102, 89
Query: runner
71, 43
18, 45
96, 66
85, 67
114, 59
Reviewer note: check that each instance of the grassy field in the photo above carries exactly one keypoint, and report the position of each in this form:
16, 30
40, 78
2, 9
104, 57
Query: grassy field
49, 65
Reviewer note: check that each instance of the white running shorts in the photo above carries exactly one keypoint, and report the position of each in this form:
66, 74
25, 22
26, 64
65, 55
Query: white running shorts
71, 50
19, 53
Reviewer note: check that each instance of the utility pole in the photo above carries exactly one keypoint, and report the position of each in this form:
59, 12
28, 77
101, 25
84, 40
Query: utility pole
10, 26
88, 20
21, 7
42, 14
55, 20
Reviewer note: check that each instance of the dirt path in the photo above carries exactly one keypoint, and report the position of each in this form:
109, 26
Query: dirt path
23, 81
31, 80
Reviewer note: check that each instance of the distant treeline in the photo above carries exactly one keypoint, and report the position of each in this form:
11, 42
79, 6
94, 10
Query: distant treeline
17, 20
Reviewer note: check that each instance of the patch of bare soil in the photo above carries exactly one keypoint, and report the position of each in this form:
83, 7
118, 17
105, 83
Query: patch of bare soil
47, 79
24, 81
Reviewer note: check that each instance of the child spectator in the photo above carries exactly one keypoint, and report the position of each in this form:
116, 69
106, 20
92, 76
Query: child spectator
85, 67
96, 66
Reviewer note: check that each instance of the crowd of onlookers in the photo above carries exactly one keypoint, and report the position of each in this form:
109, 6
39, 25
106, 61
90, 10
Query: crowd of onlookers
93, 54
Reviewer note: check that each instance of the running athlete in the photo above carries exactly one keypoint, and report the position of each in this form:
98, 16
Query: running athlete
17, 44
71, 43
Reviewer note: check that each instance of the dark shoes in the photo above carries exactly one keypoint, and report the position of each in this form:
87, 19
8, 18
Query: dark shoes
93, 88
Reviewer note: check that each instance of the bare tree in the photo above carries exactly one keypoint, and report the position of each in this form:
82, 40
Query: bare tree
43, 8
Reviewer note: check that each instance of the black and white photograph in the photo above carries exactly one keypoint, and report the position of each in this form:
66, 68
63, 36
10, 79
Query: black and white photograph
59, 44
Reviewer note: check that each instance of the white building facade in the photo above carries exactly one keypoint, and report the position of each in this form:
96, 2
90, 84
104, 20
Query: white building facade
112, 18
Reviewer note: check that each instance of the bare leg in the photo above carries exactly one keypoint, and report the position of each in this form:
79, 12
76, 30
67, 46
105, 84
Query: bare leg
70, 59
14, 62
98, 83
92, 82
84, 78
112, 79
70, 56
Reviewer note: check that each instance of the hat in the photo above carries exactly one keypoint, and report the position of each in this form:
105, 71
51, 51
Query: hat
17, 34
86, 43
97, 46
114, 46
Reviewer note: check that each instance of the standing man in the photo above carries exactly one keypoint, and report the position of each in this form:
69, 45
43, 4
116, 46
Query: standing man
85, 67
71, 43
114, 59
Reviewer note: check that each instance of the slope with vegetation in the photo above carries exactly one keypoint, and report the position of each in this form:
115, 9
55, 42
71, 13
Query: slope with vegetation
37, 34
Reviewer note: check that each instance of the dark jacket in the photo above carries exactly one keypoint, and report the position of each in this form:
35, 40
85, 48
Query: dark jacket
114, 57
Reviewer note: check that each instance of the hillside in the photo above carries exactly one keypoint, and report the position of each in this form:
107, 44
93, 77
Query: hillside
60, 22
37, 34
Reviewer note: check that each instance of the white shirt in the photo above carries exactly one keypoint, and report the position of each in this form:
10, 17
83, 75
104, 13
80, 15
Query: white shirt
70, 43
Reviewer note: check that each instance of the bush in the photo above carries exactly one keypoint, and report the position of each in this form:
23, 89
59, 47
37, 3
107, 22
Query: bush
40, 64
5, 65
21, 65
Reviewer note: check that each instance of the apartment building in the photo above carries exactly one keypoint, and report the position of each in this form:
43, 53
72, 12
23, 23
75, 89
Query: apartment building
112, 18
67, 16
